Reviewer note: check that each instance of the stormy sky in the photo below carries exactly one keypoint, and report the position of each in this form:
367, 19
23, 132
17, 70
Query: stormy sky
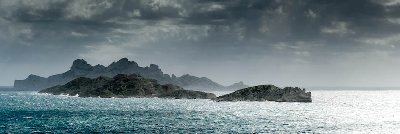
281, 42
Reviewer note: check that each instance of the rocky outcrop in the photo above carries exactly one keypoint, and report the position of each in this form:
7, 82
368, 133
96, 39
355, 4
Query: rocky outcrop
124, 86
193, 82
80, 68
236, 86
268, 93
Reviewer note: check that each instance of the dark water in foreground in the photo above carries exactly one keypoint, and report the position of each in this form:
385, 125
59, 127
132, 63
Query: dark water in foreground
331, 112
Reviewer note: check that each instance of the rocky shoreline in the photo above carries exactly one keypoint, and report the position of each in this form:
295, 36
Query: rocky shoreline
268, 93
124, 86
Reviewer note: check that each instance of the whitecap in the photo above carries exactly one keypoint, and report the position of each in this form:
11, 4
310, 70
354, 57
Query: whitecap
27, 117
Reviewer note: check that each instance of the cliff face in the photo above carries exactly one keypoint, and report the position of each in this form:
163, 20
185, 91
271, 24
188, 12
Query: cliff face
80, 68
268, 93
124, 86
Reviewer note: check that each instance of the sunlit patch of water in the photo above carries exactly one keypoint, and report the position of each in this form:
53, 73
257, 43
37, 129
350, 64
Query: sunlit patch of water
330, 112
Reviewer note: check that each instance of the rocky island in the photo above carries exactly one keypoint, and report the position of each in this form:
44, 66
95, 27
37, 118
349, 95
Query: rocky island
80, 68
123, 86
268, 93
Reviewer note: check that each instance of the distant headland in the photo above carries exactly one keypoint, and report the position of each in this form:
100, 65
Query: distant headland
80, 68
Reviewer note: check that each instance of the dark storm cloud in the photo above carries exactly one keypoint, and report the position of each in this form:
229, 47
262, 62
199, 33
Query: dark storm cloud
290, 20
300, 20
300, 33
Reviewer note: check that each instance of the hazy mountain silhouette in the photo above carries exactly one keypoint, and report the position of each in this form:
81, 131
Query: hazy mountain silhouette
80, 68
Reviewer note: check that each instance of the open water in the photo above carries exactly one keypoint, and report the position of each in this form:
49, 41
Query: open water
347, 111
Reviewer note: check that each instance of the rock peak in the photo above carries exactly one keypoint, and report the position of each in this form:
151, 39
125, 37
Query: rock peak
123, 60
32, 76
238, 85
80, 64
154, 66
79, 61
123, 63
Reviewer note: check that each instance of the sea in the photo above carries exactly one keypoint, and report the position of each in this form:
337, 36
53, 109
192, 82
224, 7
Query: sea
332, 111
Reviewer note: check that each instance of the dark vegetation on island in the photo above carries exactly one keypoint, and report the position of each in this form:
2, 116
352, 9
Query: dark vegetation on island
134, 85
268, 93
126, 78
80, 68
123, 86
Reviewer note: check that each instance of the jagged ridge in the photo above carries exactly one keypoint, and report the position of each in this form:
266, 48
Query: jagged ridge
80, 68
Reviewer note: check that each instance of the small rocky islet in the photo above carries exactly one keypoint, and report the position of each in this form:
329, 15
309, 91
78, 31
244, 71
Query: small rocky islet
268, 93
134, 85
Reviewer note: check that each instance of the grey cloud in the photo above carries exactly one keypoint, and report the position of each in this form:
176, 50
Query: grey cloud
189, 34
281, 19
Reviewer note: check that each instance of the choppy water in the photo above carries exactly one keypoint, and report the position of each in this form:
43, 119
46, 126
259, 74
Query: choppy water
330, 112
